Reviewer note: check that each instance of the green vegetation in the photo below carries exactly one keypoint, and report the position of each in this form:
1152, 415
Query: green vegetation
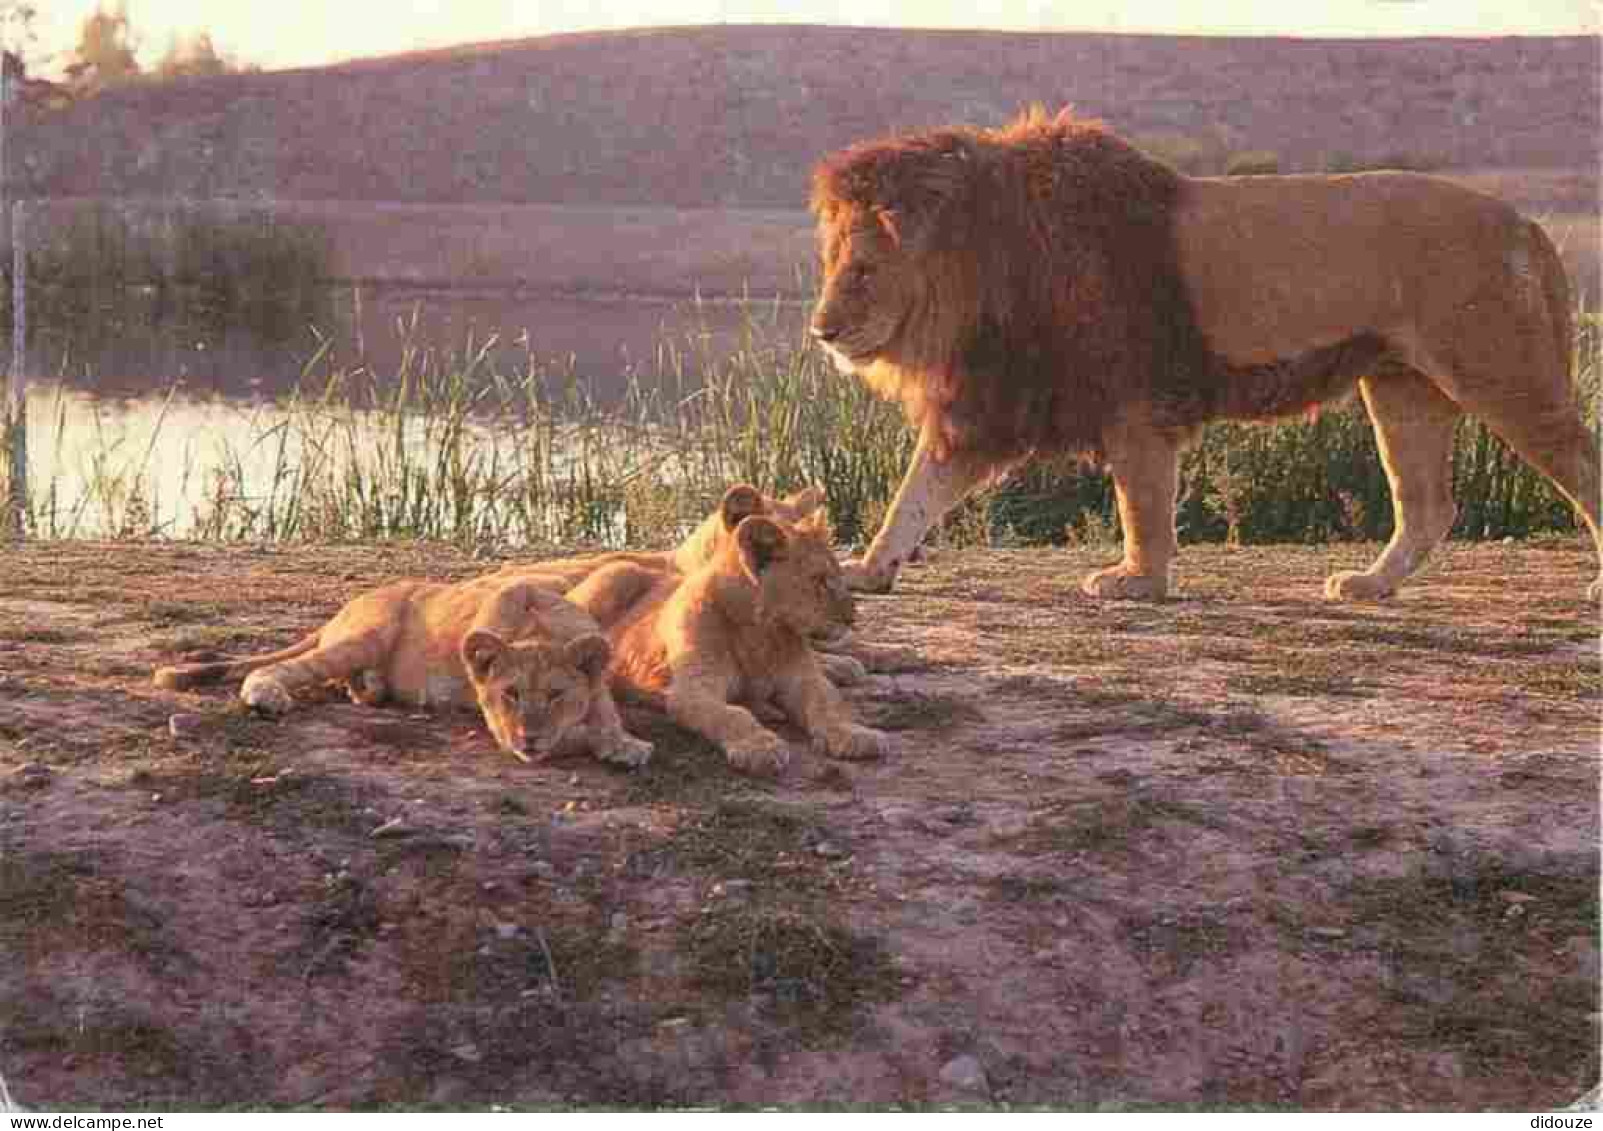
113, 272
447, 448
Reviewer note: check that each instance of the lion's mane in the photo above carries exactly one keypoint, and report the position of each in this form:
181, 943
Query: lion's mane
1053, 289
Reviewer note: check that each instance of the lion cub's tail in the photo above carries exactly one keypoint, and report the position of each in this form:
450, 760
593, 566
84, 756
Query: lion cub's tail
181, 676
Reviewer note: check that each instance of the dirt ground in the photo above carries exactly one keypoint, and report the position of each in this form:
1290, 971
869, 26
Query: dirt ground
1243, 848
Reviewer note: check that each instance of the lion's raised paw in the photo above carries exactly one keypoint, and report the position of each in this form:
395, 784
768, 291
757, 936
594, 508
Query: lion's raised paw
861, 579
1352, 585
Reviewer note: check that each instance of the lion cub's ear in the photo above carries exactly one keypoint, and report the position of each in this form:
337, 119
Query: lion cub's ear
481, 651
761, 542
589, 653
803, 502
740, 502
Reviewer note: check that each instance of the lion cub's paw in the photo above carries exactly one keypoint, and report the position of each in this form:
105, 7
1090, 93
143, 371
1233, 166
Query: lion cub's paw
1118, 583
764, 753
1351, 585
863, 580
264, 693
842, 671
626, 750
856, 743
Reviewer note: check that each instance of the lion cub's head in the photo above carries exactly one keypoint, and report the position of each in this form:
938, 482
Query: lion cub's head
798, 579
739, 503
534, 693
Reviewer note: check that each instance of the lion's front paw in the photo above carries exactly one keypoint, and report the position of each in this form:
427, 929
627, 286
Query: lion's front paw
625, 750
264, 693
856, 743
762, 753
1351, 585
1118, 582
864, 580
842, 671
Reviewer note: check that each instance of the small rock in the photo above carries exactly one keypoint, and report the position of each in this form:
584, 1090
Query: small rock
966, 1074
185, 724
155, 797
829, 850
1516, 897
1328, 932
508, 931
467, 1051
673, 1024
391, 828
619, 922
32, 775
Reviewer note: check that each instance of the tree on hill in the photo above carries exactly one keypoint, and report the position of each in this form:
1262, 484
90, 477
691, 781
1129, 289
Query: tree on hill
105, 52
191, 57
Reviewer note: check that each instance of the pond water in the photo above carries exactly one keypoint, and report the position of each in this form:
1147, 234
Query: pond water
182, 430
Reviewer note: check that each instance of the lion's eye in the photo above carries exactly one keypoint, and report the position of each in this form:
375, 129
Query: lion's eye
513, 696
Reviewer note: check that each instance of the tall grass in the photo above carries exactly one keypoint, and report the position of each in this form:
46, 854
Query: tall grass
102, 273
446, 447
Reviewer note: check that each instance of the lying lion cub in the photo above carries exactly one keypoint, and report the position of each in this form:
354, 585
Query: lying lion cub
533, 663
697, 550
738, 628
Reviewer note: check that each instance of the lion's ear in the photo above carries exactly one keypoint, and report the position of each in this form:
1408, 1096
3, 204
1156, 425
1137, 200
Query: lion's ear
589, 653
917, 194
761, 542
740, 502
481, 651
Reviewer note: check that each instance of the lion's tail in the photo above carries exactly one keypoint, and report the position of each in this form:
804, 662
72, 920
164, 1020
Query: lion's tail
1556, 292
181, 676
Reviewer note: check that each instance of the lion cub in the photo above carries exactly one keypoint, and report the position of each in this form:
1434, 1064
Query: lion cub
533, 663
699, 548
738, 629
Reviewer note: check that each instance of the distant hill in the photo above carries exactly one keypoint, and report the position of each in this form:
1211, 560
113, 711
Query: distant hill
736, 116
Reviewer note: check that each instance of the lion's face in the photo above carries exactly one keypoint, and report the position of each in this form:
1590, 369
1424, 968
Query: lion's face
868, 287
533, 694
798, 577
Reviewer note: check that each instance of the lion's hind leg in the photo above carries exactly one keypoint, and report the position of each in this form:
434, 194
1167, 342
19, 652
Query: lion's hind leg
1507, 361
1414, 424
343, 660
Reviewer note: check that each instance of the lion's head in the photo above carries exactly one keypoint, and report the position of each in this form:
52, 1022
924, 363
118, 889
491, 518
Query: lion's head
1010, 287
533, 693
796, 579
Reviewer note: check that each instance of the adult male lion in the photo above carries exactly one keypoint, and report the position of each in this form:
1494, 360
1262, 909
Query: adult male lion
1044, 287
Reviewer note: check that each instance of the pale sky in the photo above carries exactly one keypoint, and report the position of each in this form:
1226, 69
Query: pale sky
291, 33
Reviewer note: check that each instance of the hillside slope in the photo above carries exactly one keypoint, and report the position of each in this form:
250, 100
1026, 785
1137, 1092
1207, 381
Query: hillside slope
736, 116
